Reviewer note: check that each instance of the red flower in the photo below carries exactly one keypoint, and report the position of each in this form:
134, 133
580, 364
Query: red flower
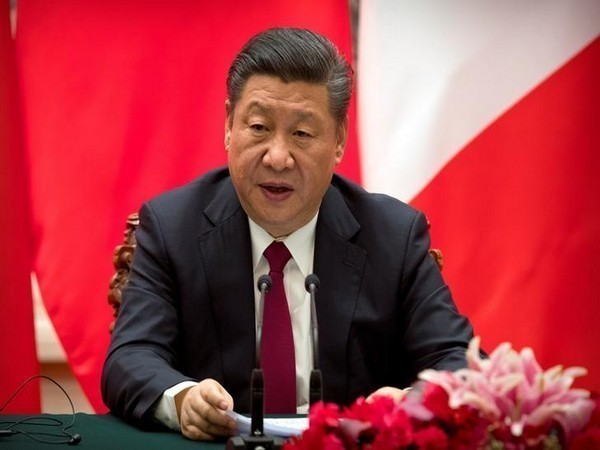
469, 430
504, 402
587, 440
331, 442
590, 438
373, 411
595, 419
387, 426
324, 415
396, 431
431, 438
435, 399
324, 423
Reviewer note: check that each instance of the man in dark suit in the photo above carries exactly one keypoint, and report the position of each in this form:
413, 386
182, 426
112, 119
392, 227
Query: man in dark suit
184, 343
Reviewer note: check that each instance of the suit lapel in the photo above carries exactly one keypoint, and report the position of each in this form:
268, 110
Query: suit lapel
340, 266
226, 253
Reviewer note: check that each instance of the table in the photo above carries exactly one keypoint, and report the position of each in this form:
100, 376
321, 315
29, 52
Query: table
101, 432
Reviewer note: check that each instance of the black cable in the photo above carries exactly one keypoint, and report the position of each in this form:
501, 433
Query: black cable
41, 421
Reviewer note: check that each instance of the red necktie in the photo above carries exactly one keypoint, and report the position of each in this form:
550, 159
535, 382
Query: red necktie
277, 345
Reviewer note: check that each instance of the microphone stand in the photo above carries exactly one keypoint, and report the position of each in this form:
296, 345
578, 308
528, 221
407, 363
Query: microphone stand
257, 440
315, 387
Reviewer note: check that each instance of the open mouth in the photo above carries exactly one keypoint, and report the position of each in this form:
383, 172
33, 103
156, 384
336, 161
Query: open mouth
276, 191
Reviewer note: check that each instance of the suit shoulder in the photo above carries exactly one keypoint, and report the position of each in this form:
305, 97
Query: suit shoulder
372, 205
195, 194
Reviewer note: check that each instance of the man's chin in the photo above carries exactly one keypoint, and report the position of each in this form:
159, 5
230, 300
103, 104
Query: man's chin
279, 227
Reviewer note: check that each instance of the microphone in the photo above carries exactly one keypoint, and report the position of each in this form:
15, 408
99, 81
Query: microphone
257, 438
315, 389
257, 391
75, 439
264, 285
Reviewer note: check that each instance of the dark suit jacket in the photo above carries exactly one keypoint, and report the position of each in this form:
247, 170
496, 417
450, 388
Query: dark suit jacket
383, 309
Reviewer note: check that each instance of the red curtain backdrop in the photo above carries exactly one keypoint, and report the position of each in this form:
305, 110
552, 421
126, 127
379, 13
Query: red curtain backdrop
125, 99
18, 360
516, 213
490, 116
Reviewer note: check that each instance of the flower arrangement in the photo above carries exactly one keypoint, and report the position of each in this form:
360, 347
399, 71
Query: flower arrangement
505, 401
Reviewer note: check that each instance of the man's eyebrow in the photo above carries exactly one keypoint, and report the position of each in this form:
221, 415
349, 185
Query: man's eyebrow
257, 105
299, 115
305, 115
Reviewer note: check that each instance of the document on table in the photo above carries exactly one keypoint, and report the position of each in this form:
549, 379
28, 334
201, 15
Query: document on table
282, 427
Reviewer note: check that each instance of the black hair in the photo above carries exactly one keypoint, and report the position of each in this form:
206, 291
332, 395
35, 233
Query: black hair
294, 54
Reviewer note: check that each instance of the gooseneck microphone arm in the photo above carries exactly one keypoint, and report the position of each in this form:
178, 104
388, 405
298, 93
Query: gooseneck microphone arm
312, 284
257, 438
264, 285
257, 390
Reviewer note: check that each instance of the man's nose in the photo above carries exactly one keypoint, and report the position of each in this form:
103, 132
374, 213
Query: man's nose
278, 155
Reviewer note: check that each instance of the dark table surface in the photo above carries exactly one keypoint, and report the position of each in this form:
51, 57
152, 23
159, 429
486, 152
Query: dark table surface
97, 432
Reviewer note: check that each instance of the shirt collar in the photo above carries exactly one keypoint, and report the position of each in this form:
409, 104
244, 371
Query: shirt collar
300, 243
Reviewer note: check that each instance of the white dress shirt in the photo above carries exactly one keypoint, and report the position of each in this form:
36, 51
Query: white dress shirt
301, 244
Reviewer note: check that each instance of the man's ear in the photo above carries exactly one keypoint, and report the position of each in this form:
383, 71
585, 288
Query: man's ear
341, 140
228, 122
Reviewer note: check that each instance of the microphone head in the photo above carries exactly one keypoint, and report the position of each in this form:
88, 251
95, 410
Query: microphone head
312, 280
75, 439
264, 282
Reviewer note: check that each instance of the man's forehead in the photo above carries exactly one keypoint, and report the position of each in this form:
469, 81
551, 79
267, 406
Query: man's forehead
263, 94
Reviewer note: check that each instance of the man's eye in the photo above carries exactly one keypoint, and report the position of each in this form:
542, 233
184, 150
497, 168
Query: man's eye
302, 134
258, 127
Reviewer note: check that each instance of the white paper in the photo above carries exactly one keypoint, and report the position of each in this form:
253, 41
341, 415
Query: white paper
282, 427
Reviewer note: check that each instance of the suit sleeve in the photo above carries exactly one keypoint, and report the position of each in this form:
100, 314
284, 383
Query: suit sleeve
142, 358
436, 335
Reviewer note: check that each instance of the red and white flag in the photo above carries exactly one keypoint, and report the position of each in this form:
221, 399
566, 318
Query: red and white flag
125, 99
18, 360
486, 115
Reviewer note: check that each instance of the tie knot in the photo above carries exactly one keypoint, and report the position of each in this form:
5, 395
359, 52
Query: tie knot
277, 255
